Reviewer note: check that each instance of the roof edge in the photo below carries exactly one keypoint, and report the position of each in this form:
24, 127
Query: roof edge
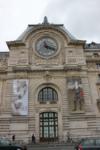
77, 42
15, 43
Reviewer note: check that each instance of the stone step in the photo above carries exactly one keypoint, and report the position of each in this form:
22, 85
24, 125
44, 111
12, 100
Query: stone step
50, 147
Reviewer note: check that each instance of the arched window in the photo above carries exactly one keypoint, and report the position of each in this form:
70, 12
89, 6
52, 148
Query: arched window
47, 94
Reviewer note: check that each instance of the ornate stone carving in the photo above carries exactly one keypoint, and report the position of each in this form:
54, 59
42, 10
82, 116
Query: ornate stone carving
47, 76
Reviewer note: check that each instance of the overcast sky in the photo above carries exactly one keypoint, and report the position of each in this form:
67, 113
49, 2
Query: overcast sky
80, 17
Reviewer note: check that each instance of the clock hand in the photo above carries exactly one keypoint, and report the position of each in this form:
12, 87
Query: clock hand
48, 46
45, 45
52, 48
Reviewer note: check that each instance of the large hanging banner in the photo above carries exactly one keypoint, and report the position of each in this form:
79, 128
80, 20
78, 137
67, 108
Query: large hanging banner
75, 93
1, 92
20, 97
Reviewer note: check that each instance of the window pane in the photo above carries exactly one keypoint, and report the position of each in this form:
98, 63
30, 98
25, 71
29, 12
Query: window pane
45, 115
51, 129
45, 94
45, 131
55, 96
40, 96
49, 94
56, 131
51, 114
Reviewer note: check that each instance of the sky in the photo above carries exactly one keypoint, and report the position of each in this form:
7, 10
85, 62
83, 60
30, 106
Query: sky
80, 17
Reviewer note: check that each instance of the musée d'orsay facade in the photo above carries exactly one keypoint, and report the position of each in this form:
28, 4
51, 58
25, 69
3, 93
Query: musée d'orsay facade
49, 85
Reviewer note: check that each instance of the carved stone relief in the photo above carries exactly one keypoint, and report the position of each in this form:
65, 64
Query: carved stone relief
47, 76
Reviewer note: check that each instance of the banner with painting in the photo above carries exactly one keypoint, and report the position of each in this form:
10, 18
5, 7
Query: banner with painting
75, 93
1, 92
20, 97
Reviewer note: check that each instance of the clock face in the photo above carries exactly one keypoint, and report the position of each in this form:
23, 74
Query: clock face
46, 46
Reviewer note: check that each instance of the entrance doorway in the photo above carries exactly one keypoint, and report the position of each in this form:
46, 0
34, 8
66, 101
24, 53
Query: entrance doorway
48, 126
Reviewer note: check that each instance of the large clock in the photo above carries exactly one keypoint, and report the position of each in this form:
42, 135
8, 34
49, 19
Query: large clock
46, 46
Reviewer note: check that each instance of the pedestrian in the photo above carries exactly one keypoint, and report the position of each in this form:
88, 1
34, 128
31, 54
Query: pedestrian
13, 137
68, 137
33, 138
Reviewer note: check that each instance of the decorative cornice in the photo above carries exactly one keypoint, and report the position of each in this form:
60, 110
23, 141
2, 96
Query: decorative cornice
92, 59
72, 68
21, 68
16, 43
77, 42
4, 54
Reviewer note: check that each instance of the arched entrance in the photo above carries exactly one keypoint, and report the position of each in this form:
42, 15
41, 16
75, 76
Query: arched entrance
48, 126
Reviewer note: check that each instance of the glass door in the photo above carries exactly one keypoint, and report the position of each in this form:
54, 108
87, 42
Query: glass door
48, 126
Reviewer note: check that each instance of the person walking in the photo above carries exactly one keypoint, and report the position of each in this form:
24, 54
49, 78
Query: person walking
13, 137
33, 138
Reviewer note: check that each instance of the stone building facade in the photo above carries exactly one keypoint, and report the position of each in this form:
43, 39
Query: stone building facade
49, 85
